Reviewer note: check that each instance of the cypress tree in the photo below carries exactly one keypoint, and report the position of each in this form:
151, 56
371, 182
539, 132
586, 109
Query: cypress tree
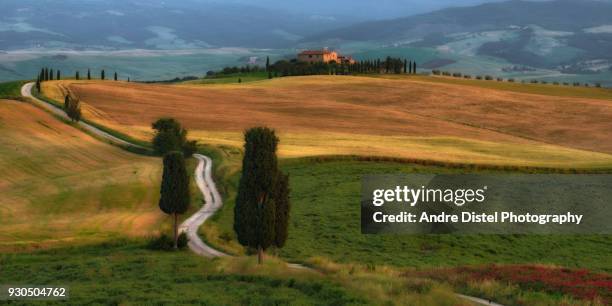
405, 66
72, 107
413, 67
282, 207
128, 79
115, 76
102, 76
88, 74
175, 198
76, 75
267, 63
59, 75
254, 212
38, 84
51, 74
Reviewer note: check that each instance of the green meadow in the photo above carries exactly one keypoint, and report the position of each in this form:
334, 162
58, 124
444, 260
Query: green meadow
10, 90
232, 78
126, 273
325, 221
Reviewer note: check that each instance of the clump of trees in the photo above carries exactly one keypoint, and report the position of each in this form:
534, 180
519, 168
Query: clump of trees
174, 192
294, 67
261, 214
171, 136
72, 107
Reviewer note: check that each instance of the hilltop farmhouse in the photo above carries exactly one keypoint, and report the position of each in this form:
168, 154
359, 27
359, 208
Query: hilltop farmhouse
324, 56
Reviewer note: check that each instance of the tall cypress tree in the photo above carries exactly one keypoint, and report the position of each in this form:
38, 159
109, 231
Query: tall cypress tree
115, 76
267, 63
88, 74
76, 75
175, 198
51, 74
413, 67
102, 76
254, 212
59, 75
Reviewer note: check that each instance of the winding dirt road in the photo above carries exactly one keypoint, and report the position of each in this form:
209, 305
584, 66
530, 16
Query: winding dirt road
205, 183
212, 199
26, 91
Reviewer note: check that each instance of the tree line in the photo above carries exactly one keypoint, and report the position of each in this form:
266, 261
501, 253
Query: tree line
48, 74
510, 80
293, 67
388, 65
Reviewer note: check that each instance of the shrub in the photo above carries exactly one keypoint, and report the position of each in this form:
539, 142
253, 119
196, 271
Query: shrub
183, 240
488, 78
555, 83
500, 79
534, 82
446, 73
598, 85
478, 77
435, 72
565, 84
467, 76
164, 242
457, 74
511, 80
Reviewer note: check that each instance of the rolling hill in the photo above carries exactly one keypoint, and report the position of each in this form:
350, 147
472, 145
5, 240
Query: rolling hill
136, 24
60, 186
418, 118
569, 36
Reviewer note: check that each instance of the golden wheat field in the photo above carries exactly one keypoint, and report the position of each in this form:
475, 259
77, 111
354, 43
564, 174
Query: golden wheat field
61, 186
403, 117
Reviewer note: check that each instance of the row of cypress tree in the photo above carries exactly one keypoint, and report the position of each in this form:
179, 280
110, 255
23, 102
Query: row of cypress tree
47, 74
294, 67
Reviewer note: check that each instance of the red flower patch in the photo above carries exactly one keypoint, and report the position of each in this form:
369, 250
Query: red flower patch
579, 283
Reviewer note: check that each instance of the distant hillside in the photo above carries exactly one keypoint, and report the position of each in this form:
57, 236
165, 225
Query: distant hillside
154, 24
566, 34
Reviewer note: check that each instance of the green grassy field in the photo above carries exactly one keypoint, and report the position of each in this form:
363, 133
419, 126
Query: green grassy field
11, 90
126, 273
245, 77
325, 221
